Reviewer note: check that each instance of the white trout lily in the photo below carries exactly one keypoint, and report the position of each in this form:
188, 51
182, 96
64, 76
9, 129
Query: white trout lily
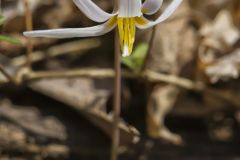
129, 15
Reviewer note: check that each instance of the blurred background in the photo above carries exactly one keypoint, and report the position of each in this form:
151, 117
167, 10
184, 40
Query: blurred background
180, 88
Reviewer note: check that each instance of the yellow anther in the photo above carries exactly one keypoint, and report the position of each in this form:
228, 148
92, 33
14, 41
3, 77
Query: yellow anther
112, 21
140, 20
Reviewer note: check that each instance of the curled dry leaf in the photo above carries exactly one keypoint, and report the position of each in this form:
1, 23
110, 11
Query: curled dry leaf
88, 98
221, 34
225, 68
30, 120
219, 37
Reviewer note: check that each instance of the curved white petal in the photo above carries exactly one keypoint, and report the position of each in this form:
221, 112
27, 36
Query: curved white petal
166, 14
151, 6
74, 32
130, 8
92, 11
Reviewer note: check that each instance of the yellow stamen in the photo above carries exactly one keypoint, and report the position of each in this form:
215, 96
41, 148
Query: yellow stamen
127, 31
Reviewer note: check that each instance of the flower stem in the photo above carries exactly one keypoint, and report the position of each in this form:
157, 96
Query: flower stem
116, 100
144, 66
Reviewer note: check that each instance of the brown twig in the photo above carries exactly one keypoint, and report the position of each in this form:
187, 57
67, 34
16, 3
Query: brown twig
172, 79
116, 100
5, 73
86, 72
29, 27
76, 47
148, 75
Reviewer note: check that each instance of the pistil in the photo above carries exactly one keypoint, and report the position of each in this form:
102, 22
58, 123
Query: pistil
127, 31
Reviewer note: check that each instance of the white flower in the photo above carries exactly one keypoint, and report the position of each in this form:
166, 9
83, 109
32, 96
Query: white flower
128, 16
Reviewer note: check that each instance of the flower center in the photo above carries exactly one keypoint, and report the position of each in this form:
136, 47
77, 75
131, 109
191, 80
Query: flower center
127, 31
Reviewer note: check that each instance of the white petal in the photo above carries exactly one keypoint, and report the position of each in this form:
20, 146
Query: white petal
151, 6
74, 32
130, 8
92, 11
166, 14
